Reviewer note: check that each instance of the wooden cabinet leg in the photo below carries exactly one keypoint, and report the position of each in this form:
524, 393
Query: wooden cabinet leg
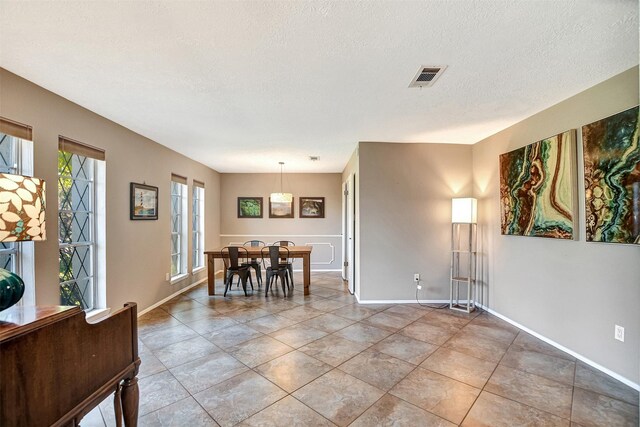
117, 405
130, 399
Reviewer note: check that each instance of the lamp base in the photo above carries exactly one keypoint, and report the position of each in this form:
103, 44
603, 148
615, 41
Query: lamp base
11, 289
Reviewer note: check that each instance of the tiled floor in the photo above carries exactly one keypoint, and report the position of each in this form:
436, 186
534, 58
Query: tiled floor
324, 360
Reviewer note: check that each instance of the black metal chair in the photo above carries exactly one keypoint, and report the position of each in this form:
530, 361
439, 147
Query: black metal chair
253, 262
289, 263
235, 258
272, 258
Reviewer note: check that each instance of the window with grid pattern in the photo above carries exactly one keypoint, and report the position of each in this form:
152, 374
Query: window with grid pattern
198, 226
76, 234
178, 229
9, 149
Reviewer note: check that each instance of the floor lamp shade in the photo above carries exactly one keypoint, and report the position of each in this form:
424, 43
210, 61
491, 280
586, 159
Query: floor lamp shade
22, 218
464, 210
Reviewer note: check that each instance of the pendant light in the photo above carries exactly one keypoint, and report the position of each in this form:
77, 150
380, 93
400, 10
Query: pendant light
281, 197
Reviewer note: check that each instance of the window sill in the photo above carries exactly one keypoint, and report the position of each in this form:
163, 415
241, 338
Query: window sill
98, 314
198, 270
178, 278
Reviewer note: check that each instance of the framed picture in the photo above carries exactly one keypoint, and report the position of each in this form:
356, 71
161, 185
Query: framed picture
144, 201
537, 188
311, 207
612, 178
249, 207
281, 209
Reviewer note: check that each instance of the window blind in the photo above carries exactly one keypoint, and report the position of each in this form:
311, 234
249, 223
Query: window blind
71, 146
16, 129
197, 183
179, 179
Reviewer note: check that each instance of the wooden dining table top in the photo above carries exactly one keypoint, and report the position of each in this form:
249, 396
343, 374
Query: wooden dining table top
257, 250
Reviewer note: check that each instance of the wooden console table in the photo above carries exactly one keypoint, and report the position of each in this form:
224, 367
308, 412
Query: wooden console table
55, 367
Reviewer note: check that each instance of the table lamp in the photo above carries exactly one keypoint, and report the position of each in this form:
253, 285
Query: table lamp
22, 218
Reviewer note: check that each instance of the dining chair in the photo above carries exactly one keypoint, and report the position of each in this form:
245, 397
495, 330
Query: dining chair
275, 269
289, 263
253, 262
235, 258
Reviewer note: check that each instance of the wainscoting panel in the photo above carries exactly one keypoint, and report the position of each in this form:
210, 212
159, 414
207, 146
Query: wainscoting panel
325, 256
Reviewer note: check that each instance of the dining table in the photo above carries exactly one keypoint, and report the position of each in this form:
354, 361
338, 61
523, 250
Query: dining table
303, 252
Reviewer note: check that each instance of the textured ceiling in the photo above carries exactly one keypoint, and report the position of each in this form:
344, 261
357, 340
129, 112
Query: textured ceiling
242, 85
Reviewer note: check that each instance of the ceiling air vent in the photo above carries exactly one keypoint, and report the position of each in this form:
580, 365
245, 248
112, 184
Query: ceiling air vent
427, 75
314, 158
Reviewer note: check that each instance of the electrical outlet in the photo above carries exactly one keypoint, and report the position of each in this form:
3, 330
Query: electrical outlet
167, 277
619, 333
419, 287
416, 277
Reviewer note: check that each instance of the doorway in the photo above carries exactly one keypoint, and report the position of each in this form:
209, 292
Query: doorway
348, 216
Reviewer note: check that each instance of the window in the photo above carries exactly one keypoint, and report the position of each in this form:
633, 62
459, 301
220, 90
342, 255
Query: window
198, 225
79, 168
16, 157
178, 226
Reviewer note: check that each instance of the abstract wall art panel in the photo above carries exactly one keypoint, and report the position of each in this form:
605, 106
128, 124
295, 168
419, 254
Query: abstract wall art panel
537, 188
612, 178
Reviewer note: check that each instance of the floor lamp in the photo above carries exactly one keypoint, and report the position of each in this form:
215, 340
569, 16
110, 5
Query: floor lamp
464, 215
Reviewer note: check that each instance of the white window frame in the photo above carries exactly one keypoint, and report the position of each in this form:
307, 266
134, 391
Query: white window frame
181, 233
97, 237
197, 238
23, 252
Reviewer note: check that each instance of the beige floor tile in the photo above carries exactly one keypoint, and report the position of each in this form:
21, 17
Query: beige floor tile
164, 337
158, 391
387, 321
298, 335
271, 323
429, 333
593, 409
288, 412
405, 311
490, 331
301, 313
211, 324
405, 348
231, 336
447, 398
333, 349
532, 390
529, 342
293, 370
378, 369
207, 371
355, 312
460, 366
551, 367
363, 333
239, 398
185, 351
338, 396
477, 346
258, 350
185, 412
390, 411
328, 322
443, 319
495, 411
590, 379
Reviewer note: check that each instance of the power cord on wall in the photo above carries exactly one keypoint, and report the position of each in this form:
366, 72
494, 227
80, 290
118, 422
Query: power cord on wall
436, 306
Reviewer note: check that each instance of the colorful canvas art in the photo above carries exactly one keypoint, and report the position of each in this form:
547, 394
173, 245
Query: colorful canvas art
537, 188
612, 178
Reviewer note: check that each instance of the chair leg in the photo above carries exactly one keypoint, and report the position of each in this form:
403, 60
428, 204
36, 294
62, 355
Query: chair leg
259, 274
228, 282
250, 280
290, 270
282, 274
243, 277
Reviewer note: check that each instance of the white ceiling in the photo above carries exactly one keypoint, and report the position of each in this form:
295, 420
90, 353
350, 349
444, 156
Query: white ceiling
241, 85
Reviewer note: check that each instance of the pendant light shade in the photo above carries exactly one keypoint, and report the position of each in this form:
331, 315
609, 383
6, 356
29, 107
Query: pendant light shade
281, 197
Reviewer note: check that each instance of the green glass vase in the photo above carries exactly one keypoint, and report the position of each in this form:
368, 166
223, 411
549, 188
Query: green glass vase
11, 289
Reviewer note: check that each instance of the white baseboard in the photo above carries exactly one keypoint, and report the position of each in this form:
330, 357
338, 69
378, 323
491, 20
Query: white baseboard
173, 295
402, 301
578, 356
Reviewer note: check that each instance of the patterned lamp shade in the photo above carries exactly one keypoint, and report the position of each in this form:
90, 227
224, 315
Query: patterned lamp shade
22, 202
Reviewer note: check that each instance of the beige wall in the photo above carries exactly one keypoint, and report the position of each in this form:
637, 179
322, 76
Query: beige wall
138, 252
405, 193
324, 234
571, 292
351, 170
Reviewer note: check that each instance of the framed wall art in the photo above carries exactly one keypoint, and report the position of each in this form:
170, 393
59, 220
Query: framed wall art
249, 207
281, 209
538, 188
144, 202
311, 207
612, 178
